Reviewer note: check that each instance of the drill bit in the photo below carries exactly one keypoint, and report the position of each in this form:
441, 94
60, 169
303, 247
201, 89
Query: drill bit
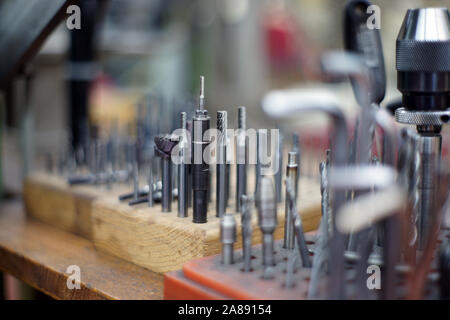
227, 237
221, 163
278, 174
267, 218
200, 167
183, 172
297, 221
291, 174
261, 156
241, 153
246, 225
150, 199
163, 148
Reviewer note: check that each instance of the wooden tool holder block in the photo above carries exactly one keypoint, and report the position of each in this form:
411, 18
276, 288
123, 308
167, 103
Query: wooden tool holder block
162, 242
50, 199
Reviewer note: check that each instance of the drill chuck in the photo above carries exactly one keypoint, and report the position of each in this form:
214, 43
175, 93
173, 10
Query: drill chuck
423, 59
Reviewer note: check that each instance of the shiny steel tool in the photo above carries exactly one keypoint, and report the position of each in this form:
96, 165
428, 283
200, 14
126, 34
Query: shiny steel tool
267, 218
200, 167
290, 103
279, 174
262, 161
163, 148
227, 237
291, 174
183, 171
423, 78
241, 157
221, 163
297, 223
246, 225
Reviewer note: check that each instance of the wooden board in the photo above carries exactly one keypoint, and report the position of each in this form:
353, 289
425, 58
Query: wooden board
39, 254
50, 199
163, 242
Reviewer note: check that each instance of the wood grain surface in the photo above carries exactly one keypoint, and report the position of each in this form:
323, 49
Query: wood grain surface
163, 242
50, 199
39, 255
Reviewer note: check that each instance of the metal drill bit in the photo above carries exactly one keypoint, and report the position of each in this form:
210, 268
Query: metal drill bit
227, 237
324, 200
279, 173
221, 163
200, 166
201, 102
267, 218
261, 154
297, 221
241, 154
163, 148
291, 174
246, 225
135, 180
150, 199
183, 173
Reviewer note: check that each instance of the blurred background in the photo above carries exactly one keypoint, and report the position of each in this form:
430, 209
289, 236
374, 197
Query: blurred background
155, 51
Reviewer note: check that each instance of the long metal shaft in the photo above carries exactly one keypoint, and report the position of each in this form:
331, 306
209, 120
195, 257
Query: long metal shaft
241, 154
166, 184
221, 164
182, 174
291, 174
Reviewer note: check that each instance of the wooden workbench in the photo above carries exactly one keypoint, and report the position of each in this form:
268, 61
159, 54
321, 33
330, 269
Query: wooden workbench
39, 255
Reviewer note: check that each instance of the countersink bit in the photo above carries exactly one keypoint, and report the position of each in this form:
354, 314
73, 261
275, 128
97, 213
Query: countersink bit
241, 154
246, 225
183, 172
297, 222
291, 174
267, 218
227, 237
221, 163
163, 148
200, 166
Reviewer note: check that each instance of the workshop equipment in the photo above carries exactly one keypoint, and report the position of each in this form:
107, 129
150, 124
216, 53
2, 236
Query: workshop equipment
423, 78
241, 158
200, 166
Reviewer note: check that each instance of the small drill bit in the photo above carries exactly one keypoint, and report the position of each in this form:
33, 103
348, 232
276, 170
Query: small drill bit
279, 173
267, 218
241, 153
183, 172
301, 241
291, 174
150, 199
227, 237
246, 225
221, 163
